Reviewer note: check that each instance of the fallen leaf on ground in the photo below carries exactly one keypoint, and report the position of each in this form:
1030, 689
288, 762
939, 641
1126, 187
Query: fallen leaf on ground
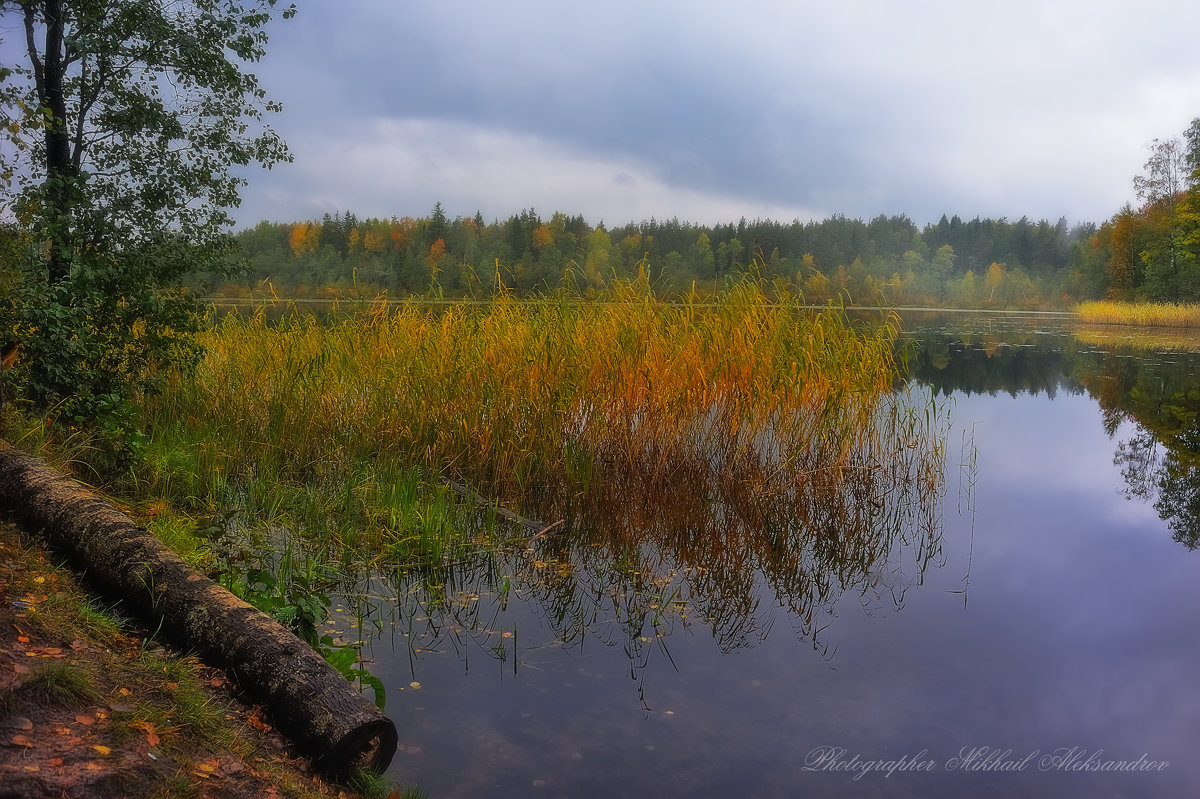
151, 733
21, 740
85, 720
256, 721
104, 750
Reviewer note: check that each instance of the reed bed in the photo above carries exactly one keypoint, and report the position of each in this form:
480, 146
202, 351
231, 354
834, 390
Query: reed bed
1140, 313
517, 399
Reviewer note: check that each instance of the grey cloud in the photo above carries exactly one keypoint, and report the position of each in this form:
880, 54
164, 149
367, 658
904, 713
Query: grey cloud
922, 108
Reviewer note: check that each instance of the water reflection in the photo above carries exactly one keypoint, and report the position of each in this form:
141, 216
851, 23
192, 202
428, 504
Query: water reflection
629, 563
1148, 379
1076, 633
1159, 462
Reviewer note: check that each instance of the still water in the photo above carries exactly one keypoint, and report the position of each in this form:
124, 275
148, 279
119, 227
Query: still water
1031, 631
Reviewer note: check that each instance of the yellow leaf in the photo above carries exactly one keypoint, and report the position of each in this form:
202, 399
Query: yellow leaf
104, 750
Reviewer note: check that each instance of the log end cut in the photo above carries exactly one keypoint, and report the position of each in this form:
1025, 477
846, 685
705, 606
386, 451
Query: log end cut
369, 746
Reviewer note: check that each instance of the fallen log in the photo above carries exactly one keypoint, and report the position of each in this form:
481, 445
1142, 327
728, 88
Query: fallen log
308, 699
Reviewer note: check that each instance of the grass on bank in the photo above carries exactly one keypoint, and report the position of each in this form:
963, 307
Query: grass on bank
1140, 314
90, 705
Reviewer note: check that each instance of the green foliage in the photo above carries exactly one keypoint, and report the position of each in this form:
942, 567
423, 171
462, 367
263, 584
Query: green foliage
290, 588
293, 595
1152, 253
888, 259
129, 121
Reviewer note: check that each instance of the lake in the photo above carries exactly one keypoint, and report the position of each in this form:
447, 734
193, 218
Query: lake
1028, 629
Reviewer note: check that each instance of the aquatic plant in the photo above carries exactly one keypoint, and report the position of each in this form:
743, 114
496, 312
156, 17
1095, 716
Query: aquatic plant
676, 453
1140, 313
511, 397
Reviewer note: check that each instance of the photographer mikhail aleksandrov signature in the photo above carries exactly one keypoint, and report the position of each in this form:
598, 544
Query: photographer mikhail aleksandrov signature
976, 759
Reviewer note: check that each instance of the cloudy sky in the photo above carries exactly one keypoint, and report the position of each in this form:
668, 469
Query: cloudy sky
709, 111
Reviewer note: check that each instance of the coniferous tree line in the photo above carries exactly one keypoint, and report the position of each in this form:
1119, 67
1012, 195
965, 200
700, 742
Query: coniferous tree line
1151, 252
981, 262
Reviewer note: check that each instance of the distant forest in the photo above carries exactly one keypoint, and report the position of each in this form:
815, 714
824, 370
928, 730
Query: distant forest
1151, 252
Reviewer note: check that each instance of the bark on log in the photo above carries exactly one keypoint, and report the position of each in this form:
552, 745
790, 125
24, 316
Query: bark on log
307, 698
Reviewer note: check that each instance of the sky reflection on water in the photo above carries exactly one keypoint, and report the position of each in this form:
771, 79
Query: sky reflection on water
1061, 617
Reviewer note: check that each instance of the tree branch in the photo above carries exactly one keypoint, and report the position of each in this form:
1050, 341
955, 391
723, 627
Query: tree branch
86, 101
31, 46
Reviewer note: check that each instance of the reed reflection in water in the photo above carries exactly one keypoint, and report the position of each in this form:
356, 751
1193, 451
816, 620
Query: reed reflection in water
633, 559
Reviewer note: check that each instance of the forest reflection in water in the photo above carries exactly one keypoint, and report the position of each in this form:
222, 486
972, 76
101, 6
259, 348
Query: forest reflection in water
1150, 378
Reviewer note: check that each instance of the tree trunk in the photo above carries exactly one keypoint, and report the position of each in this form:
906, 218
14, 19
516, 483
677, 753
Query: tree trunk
309, 701
50, 72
